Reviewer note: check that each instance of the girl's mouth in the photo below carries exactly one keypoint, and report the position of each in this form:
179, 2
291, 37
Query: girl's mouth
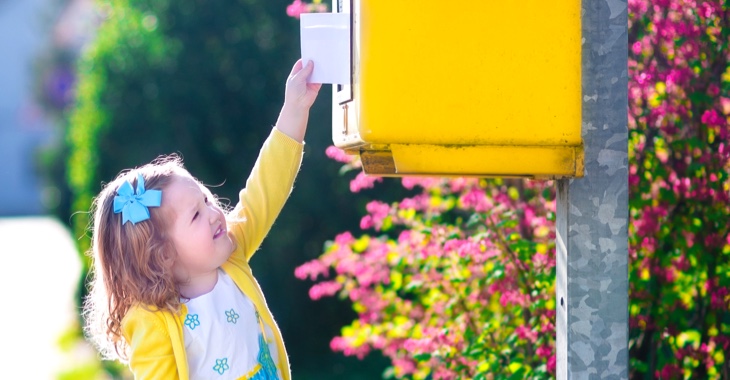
220, 231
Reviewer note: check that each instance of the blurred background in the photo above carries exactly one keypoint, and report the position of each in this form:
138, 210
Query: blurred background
82, 99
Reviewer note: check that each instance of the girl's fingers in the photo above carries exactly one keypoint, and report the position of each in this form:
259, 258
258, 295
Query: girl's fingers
304, 73
305, 70
297, 67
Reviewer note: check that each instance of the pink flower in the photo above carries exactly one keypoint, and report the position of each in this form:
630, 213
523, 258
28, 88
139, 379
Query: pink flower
638, 7
363, 181
713, 90
707, 9
670, 371
324, 289
710, 117
378, 210
444, 374
547, 328
424, 182
544, 351
296, 8
468, 248
719, 299
725, 105
636, 47
338, 154
513, 297
341, 344
417, 346
476, 199
419, 202
344, 238
405, 236
678, 76
551, 363
311, 269
366, 222
643, 78
338, 343
407, 366
458, 185
542, 260
527, 333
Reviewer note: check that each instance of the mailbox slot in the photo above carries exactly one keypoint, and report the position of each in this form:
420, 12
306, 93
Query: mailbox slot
343, 92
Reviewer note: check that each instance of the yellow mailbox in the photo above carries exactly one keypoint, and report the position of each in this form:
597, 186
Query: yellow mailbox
470, 88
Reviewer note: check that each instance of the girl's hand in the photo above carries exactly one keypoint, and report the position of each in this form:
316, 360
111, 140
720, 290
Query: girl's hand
298, 98
300, 94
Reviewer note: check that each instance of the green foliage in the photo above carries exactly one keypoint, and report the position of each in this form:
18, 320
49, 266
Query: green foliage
679, 103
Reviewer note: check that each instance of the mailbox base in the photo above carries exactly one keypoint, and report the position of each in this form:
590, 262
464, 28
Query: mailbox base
539, 162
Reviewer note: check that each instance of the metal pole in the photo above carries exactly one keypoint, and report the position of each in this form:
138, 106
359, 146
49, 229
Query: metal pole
592, 211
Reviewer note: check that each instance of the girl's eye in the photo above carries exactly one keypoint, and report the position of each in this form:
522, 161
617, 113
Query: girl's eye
196, 215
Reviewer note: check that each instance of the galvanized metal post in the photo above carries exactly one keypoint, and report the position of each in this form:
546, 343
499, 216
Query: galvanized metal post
592, 211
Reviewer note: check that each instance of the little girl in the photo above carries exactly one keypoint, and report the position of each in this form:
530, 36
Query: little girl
172, 294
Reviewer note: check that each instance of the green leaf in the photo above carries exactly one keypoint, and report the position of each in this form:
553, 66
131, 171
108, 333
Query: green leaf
387, 223
517, 369
639, 365
691, 337
508, 223
422, 357
474, 219
344, 169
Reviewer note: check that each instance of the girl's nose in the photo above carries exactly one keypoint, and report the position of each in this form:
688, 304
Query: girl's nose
212, 214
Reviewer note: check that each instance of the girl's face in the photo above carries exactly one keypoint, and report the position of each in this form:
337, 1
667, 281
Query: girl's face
197, 227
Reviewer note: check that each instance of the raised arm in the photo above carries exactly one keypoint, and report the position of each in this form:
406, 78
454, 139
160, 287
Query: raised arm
267, 189
272, 178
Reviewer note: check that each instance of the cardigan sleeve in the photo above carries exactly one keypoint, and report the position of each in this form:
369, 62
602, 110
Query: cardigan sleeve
267, 189
151, 354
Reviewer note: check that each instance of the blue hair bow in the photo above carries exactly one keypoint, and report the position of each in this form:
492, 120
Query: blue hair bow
134, 204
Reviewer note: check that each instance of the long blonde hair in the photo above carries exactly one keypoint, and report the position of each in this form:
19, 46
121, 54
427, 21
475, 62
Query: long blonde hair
132, 263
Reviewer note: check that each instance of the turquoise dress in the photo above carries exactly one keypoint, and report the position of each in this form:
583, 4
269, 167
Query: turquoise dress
268, 369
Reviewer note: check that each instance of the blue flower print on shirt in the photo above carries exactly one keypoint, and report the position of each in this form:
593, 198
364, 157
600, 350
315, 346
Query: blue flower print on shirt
221, 365
191, 320
232, 316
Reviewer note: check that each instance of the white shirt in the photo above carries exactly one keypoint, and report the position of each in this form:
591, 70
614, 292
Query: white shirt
221, 333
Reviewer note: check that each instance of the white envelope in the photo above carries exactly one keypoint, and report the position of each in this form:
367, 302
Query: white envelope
325, 40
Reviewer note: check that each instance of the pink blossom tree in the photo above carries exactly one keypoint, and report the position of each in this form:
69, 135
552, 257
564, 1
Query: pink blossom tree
457, 280
679, 186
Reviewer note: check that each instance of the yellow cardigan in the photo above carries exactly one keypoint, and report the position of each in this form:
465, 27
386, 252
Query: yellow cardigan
155, 338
